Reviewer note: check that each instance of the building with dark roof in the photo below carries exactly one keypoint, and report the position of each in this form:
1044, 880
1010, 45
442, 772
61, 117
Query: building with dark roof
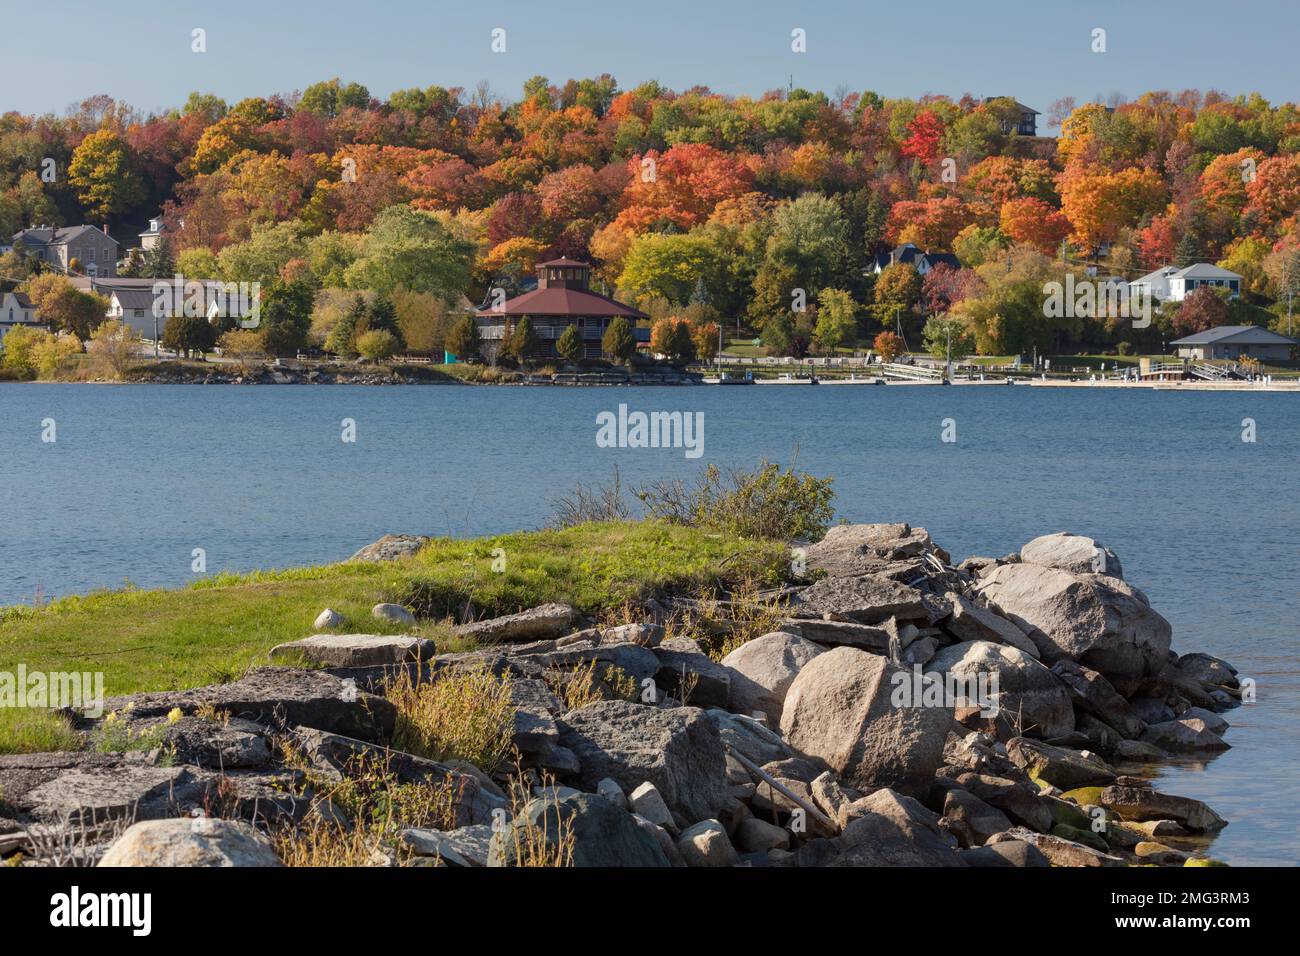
1234, 342
94, 249
909, 254
562, 298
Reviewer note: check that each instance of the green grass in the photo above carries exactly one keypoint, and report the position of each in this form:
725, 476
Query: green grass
215, 629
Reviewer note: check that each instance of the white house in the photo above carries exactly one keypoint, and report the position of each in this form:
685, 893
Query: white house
135, 308
16, 310
1169, 284
1202, 275
1234, 342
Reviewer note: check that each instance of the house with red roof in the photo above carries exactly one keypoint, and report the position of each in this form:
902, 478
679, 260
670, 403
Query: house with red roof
562, 298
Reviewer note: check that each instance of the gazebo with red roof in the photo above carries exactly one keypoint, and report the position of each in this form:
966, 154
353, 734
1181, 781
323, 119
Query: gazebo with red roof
561, 299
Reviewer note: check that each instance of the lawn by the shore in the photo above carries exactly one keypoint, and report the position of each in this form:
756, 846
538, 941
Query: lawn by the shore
215, 629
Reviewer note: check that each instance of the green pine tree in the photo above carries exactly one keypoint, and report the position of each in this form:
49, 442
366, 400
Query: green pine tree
342, 338
570, 344
463, 340
618, 341
523, 341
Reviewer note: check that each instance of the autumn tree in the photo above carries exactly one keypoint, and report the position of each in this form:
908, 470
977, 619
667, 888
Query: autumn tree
64, 307
104, 176
704, 337
887, 345
113, 347
1034, 223
1202, 309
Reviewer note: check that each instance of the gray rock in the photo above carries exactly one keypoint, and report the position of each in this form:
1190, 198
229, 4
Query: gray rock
678, 750
840, 633
758, 836
81, 790
764, 669
355, 650
231, 745
1140, 804
390, 547
1091, 692
706, 844
1059, 851
849, 550
645, 635
600, 833
1151, 710
1184, 736
1017, 798
463, 847
646, 801
970, 622
1138, 752
1059, 766
840, 709
545, 622
870, 599
1075, 553
328, 619
197, 841
971, 819
893, 830
1209, 670
1015, 853
1030, 699
393, 612
1213, 722
1100, 621
747, 736
611, 791
306, 698
663, 838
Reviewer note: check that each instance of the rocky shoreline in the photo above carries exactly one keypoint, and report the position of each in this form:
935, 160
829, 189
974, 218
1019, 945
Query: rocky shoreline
401, 375
833, 739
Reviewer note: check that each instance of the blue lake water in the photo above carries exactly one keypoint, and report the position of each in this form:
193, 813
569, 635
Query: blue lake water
258, 477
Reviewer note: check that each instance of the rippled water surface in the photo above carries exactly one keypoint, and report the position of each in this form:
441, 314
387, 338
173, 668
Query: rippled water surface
1205, 523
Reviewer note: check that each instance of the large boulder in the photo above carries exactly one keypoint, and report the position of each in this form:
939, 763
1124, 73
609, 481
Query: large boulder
194, 841
763, 671
307, 698
1141, 804
1100, 621
1028, 697
1093, 694
677, 749
354, 650
1059, 766
548, 621
1060, 851
856, 712
594, 830
971, 819
970, 622
869, 599
1019, 799
1075, 553
1186, 735
93, 788
390, 547
852, 549
892, 830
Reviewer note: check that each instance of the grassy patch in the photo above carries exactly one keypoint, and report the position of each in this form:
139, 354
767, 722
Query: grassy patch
215, 629
466, 715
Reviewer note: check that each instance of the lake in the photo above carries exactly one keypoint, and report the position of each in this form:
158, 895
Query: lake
1205, 523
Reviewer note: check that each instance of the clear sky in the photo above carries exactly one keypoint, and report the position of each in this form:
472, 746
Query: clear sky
57, 52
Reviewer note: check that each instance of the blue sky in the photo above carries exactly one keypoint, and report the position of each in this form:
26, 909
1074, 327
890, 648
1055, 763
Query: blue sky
57, 52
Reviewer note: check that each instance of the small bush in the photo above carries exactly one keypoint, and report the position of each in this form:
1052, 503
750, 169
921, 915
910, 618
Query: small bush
467, 714
377, 345
764, 503
591, 503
